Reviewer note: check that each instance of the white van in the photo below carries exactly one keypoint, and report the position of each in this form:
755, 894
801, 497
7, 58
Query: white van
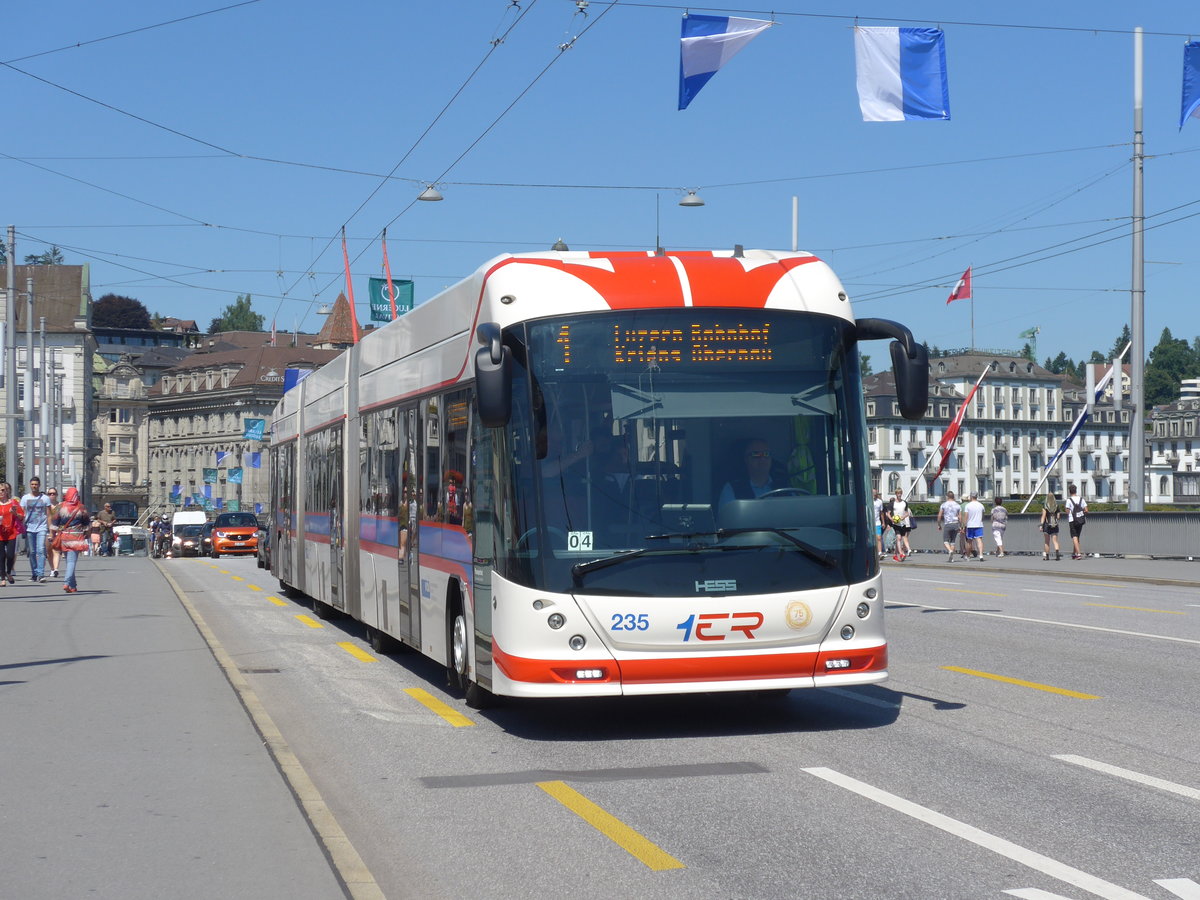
187, 544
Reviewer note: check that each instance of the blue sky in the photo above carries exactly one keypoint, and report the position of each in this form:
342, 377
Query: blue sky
586, 144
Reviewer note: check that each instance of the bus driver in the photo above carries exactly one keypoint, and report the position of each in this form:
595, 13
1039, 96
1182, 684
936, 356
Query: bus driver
757, 457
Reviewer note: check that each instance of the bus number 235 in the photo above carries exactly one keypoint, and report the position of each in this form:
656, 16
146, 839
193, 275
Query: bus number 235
718, 626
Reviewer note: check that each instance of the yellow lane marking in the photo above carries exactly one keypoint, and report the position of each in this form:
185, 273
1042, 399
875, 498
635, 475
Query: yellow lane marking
223, 571
449, 713
310, 622
1029, 684
238, 578
961, 591
254, 587
611, 827
277, 601
356, 652
1169, 612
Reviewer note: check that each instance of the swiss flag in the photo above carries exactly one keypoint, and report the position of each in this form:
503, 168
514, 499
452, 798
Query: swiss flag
962, 290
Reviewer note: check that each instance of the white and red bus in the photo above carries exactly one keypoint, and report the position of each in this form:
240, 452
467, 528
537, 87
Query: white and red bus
592, 473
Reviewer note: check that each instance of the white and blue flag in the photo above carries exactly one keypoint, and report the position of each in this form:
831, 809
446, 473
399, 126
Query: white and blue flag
901, 73
1191, 82
706, 44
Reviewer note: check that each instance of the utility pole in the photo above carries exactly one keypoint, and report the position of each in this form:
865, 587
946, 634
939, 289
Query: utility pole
29, 381
44, 410
1137, 428
10, 363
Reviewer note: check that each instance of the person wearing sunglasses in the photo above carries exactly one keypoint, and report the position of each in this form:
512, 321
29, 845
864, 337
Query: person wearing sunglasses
757, 481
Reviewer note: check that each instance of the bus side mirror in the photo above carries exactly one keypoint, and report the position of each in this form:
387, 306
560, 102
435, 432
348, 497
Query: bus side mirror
910, 364
493, 377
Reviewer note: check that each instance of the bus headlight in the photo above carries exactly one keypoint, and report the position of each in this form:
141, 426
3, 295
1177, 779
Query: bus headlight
556, 621
847, 632
577, 642
864, 610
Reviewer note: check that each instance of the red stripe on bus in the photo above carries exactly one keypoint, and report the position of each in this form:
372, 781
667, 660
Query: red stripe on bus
726, 282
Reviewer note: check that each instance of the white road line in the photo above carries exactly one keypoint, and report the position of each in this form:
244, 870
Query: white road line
1063, 593
1015, 852
1163, 785
1180, 887
979, 612
932, 581
1035, 894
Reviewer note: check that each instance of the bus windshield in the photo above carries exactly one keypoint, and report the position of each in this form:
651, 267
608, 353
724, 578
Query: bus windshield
671, 452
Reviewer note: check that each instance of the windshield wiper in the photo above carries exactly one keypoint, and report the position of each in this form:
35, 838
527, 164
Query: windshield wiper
813, 552
582, 568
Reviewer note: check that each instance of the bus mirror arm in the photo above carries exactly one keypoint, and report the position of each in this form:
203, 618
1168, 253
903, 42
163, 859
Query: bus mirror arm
910, 364
493, 377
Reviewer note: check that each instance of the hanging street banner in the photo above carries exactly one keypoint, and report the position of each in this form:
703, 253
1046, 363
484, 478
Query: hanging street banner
254, 429
381, 304
233, 505
210, 476
234, 476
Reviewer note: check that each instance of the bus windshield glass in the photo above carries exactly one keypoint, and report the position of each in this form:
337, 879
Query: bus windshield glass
674, 452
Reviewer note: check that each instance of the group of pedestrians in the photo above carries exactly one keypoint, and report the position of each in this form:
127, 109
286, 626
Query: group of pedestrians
962, 525
55, 532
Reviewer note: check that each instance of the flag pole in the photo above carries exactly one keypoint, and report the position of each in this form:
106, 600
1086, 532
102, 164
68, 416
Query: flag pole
1079, 420
950, 435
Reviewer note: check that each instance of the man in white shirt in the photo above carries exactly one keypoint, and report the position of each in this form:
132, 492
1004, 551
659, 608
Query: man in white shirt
877, 504
947, 520
37, 506
974, 514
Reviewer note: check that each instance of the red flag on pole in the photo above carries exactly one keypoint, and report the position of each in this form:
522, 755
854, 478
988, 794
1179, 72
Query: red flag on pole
951, 433
387, 271
349, 288
962, 290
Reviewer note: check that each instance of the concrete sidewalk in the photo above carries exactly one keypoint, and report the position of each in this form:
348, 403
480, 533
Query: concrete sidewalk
1141, 569
131, 767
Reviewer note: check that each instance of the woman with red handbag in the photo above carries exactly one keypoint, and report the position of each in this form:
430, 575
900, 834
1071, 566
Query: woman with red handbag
71, 528
12, 514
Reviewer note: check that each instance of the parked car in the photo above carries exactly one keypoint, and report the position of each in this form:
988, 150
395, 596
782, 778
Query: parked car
206, 538
186, 540
234, 532
264, 543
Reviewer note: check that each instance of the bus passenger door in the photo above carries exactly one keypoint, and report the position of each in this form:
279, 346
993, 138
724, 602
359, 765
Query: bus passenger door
409, 621
337, 537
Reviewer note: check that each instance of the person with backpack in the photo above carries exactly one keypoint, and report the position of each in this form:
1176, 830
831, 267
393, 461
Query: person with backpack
1076, 516
1049, 524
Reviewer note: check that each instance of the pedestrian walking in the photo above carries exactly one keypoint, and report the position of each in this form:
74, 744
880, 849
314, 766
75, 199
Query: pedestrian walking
72, 523
973, 512
12, 514
108, 520
53, 556
1049, 525
999, 524
36, 506
1076, 517
901, 521
948, 522
94, 535
877, 505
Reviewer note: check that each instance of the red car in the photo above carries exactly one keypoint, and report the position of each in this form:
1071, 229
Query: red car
234, 532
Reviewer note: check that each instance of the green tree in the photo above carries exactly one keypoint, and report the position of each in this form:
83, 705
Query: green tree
52, 257
864, 364
115, 311
1119, 344
1171, 361
238, 316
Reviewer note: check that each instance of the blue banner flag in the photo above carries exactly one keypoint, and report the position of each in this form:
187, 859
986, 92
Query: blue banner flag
210, 476
901, 73
1191, 82
219, 503
234, 505
176, 490
707, 43
254, 429
208, 492
234, 476
292, 377
258, 507
221, 454
254, 460
197, 498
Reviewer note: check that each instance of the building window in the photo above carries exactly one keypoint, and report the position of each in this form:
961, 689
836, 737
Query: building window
121, 416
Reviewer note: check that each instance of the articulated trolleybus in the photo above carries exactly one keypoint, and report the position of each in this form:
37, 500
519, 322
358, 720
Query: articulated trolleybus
586, 474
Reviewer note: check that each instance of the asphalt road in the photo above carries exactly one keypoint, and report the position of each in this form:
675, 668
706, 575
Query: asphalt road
1038, 738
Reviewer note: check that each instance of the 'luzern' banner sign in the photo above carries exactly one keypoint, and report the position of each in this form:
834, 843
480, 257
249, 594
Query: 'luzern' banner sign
253, 429
381, 303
